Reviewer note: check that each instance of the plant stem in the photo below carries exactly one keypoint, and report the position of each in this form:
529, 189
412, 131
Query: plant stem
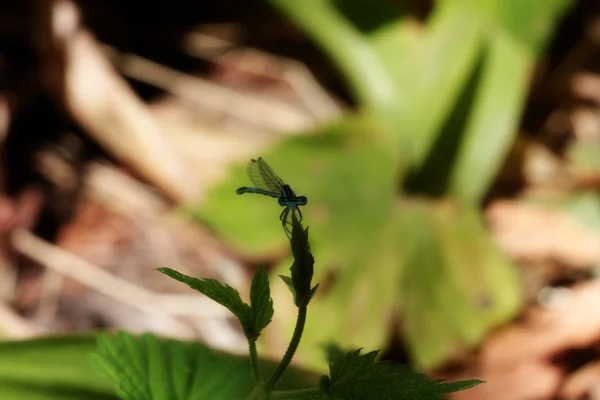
289, 354
254, 366
296, 394
257, 393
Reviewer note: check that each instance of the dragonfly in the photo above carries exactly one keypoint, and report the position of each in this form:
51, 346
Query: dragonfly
267, 183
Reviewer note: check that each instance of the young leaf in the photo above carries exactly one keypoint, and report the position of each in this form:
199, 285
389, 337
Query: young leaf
222, 293
303, 266
333, 352
261, 304
289, 283
359, 377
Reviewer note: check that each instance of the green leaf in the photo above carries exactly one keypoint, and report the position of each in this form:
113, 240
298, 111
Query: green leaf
339, 27
456, 285
169, 368
303, 267
52, 368
334, 352
412, 79
486, 134
358, 377
312, 293
220, 292
261, 304
289, 283
148, 367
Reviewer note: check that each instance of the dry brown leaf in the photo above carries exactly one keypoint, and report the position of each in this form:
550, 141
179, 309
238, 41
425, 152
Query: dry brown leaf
581, 382
516, 361
532, 234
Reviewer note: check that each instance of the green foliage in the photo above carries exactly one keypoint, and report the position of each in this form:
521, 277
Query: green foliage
150, 368
222, 293
303, 266
53, 368
357, 377
147, 367
439, 108
456, 284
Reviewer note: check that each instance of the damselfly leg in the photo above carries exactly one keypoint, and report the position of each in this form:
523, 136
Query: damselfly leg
283, 217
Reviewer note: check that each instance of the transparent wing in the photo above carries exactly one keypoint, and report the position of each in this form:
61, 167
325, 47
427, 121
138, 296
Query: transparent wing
263, 177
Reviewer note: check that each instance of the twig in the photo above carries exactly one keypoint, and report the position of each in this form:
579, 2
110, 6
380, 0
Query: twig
254, 109
108, 284
14, 326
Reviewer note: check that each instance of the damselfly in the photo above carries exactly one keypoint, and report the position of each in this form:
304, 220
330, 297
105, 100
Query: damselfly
269, 184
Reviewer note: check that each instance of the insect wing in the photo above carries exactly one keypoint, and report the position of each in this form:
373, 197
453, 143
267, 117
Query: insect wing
263, 176
270, 177
256, 176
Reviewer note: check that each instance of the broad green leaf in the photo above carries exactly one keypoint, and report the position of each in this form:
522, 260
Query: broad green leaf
408, 79
261, 304
424, 72
455, 285
220, 292
166, 370
355, 376
489, 126
53, 368
148, 367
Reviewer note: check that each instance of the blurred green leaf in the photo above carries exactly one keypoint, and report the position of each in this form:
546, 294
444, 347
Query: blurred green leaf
352, 34
413, 80
456, 285
53, 368
491, 125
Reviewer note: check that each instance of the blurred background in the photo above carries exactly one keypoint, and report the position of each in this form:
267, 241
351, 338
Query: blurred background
450, 152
